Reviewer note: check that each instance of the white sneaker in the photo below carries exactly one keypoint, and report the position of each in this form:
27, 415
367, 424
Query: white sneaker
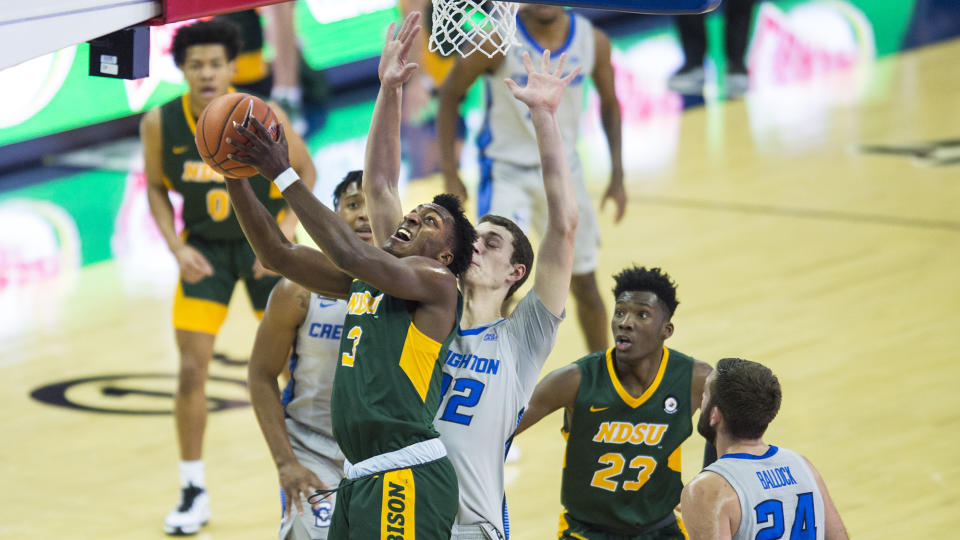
688, 82
191, 513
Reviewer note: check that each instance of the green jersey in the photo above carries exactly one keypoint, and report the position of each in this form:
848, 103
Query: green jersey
622, 463
206, 204
386, 389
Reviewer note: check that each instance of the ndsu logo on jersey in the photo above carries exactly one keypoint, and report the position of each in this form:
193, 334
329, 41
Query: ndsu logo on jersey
625, 432
198, 171
363, 303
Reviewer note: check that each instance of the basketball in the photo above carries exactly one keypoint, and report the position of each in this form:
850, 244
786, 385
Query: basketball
216, 125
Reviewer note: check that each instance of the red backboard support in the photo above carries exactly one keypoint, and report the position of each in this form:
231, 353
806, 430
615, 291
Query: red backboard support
181, 10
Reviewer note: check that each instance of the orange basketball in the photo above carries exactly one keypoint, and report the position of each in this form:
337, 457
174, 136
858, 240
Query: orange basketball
216, 124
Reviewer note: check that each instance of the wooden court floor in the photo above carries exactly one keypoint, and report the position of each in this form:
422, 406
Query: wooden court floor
837, 268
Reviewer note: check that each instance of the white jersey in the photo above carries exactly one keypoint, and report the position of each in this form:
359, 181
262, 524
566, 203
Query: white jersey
778, 494
488, 376
508, 133
316, 350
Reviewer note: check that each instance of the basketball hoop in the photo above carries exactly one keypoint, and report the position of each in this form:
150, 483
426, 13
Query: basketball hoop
467, 26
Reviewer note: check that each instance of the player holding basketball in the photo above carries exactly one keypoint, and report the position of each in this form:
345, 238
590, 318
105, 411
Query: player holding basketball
493, 363
510, 183
626, 410
212, 252
403, 311
755, 490
297, 427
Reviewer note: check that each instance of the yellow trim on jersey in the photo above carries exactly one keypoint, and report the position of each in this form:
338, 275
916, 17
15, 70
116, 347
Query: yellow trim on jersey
167, 183
398, 506
191, 123
258, 313
674, 462
683, 528
624, 395
275, 191
197, 314
250, 67
566, 442
565, 528
418, 358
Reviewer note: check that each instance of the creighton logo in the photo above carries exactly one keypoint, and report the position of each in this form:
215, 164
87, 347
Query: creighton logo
625, 432
363, 303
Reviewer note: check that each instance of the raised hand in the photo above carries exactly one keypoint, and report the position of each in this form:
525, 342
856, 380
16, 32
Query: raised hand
395, 68
270, 156
544, 89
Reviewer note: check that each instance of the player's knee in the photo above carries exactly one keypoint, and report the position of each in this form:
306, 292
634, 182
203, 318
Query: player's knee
193, 373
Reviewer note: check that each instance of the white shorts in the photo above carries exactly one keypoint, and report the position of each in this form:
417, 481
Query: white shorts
479, 531
321, 455
517, 193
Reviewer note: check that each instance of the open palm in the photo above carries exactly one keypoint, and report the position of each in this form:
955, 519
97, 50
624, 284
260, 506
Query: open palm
395, 68
543, 89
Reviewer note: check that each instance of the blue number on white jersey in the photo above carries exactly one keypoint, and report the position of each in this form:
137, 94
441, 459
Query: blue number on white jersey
804, 524
473, 389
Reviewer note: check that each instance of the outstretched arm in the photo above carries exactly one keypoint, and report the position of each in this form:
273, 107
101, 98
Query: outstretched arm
412, 278
558, 389
285, 312
381, 167
542, 95
296, 262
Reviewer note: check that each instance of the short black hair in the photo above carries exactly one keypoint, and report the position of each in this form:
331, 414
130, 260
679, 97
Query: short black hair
652, 280
522, 250
464, 235
351, 177
748, 395
212, 32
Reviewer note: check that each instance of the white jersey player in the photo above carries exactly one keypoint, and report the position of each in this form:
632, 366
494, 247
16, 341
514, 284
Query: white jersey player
510, 180
493, 363
754, 490
297, 424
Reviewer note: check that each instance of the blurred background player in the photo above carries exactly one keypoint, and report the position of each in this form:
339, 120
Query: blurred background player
755, 489
510, 183
690, 77
626, 412
212, 253
298, 428
493, 363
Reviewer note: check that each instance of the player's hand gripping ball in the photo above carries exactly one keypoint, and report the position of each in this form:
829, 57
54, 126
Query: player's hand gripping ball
216, 125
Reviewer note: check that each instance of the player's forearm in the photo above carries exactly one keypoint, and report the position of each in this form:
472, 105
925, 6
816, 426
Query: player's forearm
265, 397
258, 224
449, 102
162, 211
562, 211
381, 169
331, 233
610, 117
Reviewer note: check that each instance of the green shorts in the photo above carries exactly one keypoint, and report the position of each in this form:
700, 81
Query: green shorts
418, 503
202, 306
571, 528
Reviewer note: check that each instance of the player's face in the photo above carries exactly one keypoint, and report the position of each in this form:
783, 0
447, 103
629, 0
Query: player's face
640, 325
706, 404
352, 207
208, 72
542, 13
491, 265
426, 231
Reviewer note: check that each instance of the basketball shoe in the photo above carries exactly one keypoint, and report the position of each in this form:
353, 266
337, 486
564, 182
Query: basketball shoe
191, 513
688, 81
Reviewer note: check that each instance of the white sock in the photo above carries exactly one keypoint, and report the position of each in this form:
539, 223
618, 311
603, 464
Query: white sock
292, 94
191, 472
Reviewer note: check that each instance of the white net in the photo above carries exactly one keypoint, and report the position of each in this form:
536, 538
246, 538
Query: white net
467, 26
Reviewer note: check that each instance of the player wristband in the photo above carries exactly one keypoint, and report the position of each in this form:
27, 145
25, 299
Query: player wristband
286, 178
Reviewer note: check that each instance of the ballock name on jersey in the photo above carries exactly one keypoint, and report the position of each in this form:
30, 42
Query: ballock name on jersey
363, 303
625, 432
